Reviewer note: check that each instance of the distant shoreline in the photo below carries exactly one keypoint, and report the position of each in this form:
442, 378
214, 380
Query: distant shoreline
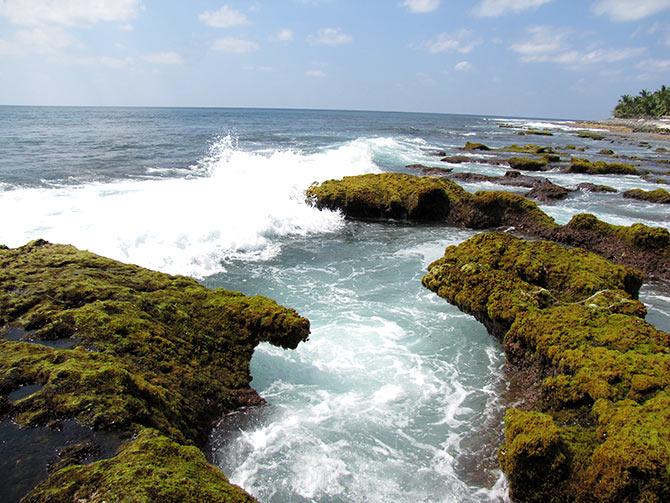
651, 126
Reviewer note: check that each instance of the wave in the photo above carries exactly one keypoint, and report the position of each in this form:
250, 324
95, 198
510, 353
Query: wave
232, 204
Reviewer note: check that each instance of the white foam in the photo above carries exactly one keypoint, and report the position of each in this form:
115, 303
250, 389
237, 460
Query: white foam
233, 208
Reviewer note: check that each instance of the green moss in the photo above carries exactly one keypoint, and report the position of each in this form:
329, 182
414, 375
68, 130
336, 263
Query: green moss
408, 197
150, 468
534, 456
527, 164
578, 165
528, 149
660, 196
388, 195
475, 146
602, 428
539, 132
154, 350
638, 235
591, 135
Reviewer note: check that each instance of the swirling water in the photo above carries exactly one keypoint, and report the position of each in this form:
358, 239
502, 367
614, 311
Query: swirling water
397, 395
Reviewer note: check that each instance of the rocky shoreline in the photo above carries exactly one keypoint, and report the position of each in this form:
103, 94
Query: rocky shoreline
593, 422
428, 199
99, 346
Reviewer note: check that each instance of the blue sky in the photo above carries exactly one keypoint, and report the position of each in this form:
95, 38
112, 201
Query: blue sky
541, 58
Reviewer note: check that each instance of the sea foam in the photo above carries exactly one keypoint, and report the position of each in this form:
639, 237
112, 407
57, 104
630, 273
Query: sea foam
232, 204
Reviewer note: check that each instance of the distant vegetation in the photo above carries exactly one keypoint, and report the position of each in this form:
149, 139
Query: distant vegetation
646, 104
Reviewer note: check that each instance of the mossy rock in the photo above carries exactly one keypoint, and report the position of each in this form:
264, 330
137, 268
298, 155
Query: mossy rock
527, 164
528, 149
601, 429
534, 455
493, 209
660, 196
475, 146
388, 195
407, 197
150, 350
590, 135
578, 165
150, 468
539, 132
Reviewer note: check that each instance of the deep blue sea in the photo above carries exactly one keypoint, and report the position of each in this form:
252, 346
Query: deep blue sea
397, 394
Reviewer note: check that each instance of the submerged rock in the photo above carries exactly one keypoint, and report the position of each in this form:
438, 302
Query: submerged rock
601, 431
548, 191
429, 170
660, 196
426, 199
590, 135
170, 354
593, 187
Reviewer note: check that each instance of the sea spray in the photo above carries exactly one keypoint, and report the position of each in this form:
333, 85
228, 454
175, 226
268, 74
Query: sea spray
230, 205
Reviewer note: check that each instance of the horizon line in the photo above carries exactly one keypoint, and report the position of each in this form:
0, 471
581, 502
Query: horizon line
303, 109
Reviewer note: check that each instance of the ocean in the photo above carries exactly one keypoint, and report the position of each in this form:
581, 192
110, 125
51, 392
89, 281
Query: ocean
397, 396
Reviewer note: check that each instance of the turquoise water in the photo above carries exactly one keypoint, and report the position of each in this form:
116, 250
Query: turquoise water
397, 395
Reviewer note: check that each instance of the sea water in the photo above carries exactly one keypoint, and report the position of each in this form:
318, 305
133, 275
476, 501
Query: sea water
397, 396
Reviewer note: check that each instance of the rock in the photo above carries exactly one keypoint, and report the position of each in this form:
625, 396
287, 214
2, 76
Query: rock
475, 146
606, 151
457, 159
427, 199
429, 170
539, 132
660, 196
601, 430
151, 467
592, 187
591, 135
527, 164
437, 153
528, 149
169, 354
388, 195
578, 165
548, 191
640, 246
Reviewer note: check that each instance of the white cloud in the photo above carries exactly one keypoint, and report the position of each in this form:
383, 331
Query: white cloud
40, 40
315, 74
462, 41
494, 8
547, 44
261, 68
225, 17
126, 27
67, 12
629, 10
421, 6
107, 61
235, 45
163, 58
330, 36
283, 35
463, 66
654, 65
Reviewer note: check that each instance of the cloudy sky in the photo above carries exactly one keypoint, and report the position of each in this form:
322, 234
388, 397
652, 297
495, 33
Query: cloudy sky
538, 58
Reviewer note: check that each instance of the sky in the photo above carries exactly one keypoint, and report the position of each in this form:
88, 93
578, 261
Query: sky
525, 58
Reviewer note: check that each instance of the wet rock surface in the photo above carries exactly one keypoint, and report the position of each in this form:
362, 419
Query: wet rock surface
170, 357
600, 430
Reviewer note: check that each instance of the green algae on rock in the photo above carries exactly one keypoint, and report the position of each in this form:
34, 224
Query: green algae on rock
601, 431
475, 146
388, 195
528, 149
527, 164
151, 467
660, 196
429, 199
578, 165
156, 351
